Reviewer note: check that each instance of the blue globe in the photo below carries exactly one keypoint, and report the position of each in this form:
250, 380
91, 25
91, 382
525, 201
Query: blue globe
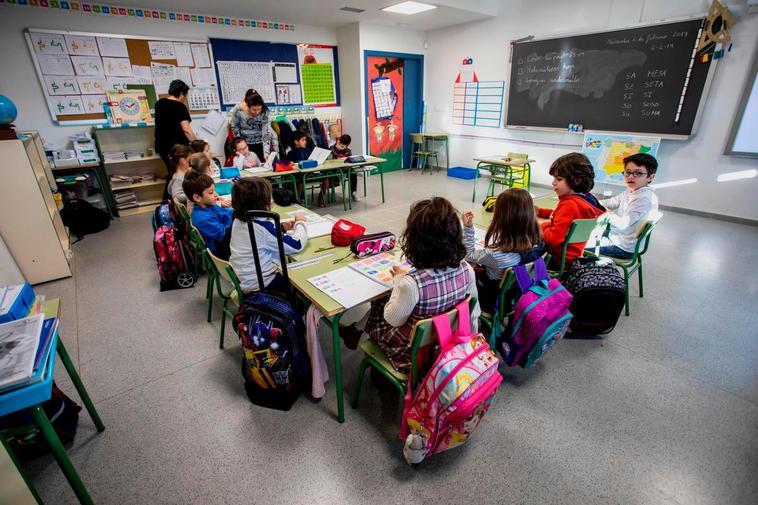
8, 110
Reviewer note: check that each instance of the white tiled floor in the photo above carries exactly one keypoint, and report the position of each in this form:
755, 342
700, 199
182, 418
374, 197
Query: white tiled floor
663, 411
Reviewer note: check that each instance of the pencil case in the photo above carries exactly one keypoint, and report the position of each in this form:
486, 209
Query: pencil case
308, 164
229, 172
375, 243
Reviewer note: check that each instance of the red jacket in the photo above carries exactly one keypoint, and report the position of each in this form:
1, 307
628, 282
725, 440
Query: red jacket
570, 207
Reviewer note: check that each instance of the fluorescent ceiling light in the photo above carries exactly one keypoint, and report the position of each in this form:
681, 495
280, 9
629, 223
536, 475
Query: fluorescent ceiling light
409, 8
680, 182
734, 176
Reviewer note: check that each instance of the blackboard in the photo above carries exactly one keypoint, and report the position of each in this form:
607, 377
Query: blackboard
621, 81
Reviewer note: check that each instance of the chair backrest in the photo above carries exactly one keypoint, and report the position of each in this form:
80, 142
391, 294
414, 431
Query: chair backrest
196, 235
643, 235
518, 156
225, 271
182, 209
584, 230
423, 335
417, 138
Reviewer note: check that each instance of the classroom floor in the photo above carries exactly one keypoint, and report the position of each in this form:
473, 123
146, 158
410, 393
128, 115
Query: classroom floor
663, 411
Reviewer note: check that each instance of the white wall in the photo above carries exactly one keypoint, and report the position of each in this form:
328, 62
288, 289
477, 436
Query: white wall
351, 83
18, 79
700, 157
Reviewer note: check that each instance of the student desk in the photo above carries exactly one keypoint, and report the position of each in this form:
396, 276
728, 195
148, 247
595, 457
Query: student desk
277, 177
499, 167
338, 167
332, 310
33, 395
482, 218
433, 137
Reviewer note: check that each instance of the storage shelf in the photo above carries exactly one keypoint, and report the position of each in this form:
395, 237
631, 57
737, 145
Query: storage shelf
132, 160
142, 208
75, 167
119, 186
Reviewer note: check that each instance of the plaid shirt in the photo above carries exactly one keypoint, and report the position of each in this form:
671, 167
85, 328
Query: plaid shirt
437, 294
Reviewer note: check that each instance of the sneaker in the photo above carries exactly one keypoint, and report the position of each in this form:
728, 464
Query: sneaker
355, 197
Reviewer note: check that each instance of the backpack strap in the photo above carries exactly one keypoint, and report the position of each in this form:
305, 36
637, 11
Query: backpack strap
523, 278
464, 318
444, 332
540, 271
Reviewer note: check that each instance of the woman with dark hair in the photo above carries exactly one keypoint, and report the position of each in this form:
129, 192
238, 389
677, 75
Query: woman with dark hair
250, 120
172, 121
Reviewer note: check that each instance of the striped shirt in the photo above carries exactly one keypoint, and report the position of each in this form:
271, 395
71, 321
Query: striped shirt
493, 261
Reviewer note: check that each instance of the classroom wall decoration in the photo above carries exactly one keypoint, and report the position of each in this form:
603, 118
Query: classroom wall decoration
99, 9
276, 71
607, 153
76, 70
385, 119
478, 103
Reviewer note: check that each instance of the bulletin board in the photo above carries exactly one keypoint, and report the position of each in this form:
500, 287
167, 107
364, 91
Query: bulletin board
75, 70
284, 74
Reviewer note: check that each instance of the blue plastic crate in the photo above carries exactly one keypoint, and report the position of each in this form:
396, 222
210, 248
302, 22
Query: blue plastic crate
462, 173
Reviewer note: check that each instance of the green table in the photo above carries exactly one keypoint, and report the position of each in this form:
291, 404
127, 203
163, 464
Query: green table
504, 168
276, 177
351, 168
433, 138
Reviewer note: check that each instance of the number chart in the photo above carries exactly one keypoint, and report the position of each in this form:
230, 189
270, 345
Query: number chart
318, 83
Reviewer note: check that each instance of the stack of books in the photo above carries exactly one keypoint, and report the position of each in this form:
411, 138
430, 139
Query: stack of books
125, 199
114, 155
25, 346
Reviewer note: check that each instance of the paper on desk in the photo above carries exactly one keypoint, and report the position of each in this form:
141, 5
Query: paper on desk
319, 154
257, 170
347, 286
321, 227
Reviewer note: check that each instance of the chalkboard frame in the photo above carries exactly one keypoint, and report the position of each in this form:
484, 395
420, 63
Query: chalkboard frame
750, 83
98, 121
701, 104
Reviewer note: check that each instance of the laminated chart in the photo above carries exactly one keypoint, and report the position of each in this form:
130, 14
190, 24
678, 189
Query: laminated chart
478, 103
318, 83
238, 76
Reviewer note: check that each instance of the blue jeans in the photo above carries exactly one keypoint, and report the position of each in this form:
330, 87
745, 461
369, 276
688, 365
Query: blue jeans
615, 252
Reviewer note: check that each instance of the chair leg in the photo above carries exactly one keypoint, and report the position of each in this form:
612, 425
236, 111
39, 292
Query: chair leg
210, 303
223, 326
639, 274
359, 383
626, 292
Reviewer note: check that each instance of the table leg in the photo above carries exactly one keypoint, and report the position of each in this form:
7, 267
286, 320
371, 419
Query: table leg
21, 472
61, 349
294, 184
336, 342
447, 153
381, 179
346, 181
476, 178
60, 455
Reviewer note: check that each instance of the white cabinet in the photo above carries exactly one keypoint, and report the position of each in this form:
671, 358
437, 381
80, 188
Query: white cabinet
30, 224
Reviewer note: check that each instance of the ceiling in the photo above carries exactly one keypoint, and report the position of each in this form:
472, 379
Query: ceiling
326, 13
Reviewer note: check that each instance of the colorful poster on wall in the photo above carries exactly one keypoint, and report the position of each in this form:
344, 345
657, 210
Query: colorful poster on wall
317, 75
606, 152
385, 105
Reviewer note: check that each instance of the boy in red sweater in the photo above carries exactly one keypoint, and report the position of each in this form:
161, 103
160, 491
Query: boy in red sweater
573, 178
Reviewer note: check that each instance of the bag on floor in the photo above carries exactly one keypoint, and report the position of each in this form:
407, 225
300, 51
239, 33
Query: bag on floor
82, 218
541, 317
275, 363
284, 197
22, 433
175, 266
455, 394
598, 288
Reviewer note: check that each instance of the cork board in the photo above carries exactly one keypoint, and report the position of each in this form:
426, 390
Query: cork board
76, 68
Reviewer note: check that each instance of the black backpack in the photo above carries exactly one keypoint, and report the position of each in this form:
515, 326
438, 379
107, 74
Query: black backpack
82, 218
598, 288
284, 197
275, 363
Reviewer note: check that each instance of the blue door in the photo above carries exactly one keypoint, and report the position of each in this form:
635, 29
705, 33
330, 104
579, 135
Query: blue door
412, 69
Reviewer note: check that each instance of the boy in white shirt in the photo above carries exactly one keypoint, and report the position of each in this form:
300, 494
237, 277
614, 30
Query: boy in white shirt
629, 209
241, 149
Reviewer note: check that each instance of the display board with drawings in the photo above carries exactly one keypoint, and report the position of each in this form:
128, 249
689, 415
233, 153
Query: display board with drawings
275, 70
76, 69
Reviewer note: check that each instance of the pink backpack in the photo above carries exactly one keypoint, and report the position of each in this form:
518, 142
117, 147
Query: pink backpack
455, 394
541, 316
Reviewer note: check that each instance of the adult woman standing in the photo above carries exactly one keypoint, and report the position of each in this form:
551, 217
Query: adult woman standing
172, 121
250, 121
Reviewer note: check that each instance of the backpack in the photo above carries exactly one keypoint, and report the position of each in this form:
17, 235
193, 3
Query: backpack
175, 265
274, 374
598, 290
163, 215
283, 197
540, 318
63, 413
455, 394
82, 218
275, 363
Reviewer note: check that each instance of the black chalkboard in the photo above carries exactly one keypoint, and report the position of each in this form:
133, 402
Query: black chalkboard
626, 80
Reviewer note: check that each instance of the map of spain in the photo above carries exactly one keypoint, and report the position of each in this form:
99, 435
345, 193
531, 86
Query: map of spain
606, 152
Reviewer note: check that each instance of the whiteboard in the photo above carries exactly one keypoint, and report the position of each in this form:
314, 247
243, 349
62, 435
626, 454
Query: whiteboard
743, 140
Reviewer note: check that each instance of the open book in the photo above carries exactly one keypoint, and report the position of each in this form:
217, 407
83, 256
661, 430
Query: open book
267, 166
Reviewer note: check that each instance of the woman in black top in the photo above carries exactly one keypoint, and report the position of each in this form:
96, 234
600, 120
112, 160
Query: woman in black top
172, 121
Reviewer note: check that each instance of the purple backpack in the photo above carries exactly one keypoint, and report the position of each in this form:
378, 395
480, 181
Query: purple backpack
541, 316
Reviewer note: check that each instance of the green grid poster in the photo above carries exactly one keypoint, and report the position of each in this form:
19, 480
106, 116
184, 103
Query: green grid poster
318, 83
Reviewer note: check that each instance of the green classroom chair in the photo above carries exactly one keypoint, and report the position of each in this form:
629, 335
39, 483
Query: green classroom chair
223, 270
421, 155
635, 262
422, 335
510, 177
201, 258
583, 230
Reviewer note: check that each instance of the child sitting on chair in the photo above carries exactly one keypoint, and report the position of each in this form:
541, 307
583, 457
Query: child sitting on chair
573, 178
201, 146
441, 279
213, 221
254, 193
179, 166
628, 209
241, 149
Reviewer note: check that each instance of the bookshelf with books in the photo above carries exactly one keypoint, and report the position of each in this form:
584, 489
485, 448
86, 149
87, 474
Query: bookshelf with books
137, 176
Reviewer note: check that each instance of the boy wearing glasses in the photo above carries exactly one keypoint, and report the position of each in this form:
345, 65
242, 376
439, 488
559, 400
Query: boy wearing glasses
628, 209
